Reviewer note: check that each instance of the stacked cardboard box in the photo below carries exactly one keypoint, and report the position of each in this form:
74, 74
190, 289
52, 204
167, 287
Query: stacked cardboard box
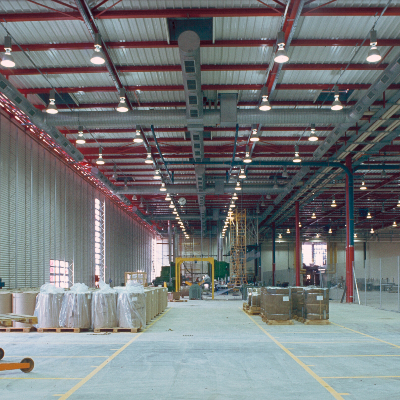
297, 301
316, 303
277, 303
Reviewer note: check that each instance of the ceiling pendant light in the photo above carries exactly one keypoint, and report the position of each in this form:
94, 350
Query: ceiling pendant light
97, 56
317, 235
233, 205
163, 188
372, 230
167, 197
336, 105
363, 187
265, 104
333, 203
313, 216
100, 160
398, 203
134, 198
300, 224
157, 174
122, 107
285, 173
355, 235
247, 159
235, 196
275, 183
174, 212
373, 53
369, 216
7, 60
52, 109
141, 203
296, 158
238, 186
280, 55
149, 159
115, 175
280, 236
394, 224
80, 139
313, 137
242, 174
171, 205
287, 230
254, 137
330, 230
138, 137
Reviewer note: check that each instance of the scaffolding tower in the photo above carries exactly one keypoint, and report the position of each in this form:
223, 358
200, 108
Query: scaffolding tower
238, 248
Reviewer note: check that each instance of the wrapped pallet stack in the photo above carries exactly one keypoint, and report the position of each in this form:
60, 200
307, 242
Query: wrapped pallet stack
48, 306
298, 302
256, 297
104, 307
76, 308
23, 303
277, 305
149, 300
131, 307
316, 304
5, 302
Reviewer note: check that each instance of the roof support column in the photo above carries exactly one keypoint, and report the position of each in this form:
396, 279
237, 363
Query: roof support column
349, 231
273, 253
298, 253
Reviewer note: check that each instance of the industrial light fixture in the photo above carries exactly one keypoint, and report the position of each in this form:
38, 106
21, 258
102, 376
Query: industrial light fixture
141, 203
171, 205
122, 107
313, 137
247, 159
285, 173
336, 105
167, 197
80, 139
300, 224
369, 216
296, 158
373, 53
288, 230
280, 236
238, 186
333, 203
138, 138
372, 230
330, 230
398, 203
355, 235
383, 174
157, 174
100, 160
264, 105
149, 159
163, 188
7, 60
233, 205
97, 56
363, 187
242, 174
235, 197
51, 108
134, 198
313, 216
254, 137
317, 235
115, 175
394, 224
174, 212
280, 55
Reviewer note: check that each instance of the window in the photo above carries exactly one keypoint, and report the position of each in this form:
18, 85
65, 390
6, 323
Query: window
314, 254
61, 273
99, 240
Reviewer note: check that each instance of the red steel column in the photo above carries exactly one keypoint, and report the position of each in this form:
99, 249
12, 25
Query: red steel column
349, 242
297, 244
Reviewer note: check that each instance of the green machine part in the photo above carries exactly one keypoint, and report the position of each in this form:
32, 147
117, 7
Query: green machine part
165, 277
221, 269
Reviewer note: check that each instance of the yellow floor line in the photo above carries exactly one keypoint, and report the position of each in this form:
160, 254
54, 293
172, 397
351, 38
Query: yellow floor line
332, 391
43, 378
354, 355
360, 377
100, 367
339, 341
364, 334
55, 356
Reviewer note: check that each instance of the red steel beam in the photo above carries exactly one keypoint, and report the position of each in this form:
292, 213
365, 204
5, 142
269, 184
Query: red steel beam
175, 88
198, 13
204, 68
158, 44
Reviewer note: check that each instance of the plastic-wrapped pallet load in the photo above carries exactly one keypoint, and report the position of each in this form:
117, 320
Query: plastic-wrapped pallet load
76, 307
131, 307
165, 296
256, 297
23, 304
316, 303
5, 302
263, 298
155, 302
104, 307
149, 298
297, 301
278, 304
48, 306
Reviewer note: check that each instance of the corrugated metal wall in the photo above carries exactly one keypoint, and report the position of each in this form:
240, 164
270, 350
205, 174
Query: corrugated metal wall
47, 212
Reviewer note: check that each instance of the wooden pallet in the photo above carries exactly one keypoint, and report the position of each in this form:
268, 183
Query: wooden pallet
8, 319
276, 322
253, 310
117, 330
178, 301
62, 330
316, 322
26, 329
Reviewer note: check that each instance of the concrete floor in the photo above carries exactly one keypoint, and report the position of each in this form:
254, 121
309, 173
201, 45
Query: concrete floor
212, 350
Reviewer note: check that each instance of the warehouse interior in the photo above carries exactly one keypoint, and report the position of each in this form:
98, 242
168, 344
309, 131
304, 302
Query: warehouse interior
214, 185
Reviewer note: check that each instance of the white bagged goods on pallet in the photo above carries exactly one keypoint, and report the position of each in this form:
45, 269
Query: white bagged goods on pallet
48, 306
76, 307
23, 304
131, 308
104, 307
